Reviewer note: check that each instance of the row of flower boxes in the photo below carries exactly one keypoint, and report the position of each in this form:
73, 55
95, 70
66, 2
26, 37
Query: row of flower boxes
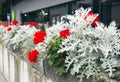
17, 69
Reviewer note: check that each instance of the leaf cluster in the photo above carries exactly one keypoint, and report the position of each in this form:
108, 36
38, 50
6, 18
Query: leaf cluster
56, 60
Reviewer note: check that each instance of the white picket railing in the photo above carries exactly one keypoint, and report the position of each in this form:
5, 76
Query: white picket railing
15, 69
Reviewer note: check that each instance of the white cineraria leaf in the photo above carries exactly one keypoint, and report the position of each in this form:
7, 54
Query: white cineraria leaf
2, 31
22, 35
41, 47
6, 38
109, 64
113, 24
86, 45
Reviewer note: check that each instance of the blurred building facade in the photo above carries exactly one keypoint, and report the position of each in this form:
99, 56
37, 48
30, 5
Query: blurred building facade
50, 12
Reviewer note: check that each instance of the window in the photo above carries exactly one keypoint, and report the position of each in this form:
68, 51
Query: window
56, 18
14, 2
40, 16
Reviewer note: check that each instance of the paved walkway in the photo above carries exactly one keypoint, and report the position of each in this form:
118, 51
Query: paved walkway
2, 79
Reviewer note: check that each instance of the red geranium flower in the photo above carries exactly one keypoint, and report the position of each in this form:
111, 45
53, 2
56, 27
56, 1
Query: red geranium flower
39, 37
33, 23
89, 14
32, 55
95, 20
21, 24
65, 33
9, 28
14, 22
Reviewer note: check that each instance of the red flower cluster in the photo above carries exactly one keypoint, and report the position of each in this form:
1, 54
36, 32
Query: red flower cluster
33, 23
14, 22
32, 56
65, 33
9, 28
95, 20
39, 37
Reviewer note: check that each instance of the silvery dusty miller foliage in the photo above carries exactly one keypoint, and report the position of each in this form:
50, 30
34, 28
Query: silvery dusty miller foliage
91, 50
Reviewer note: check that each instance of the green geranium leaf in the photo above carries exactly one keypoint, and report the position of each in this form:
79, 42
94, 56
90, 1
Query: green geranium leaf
60, 70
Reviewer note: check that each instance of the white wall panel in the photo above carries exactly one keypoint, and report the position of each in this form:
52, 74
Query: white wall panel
21, 71
12, 68
6, 67
26, 74
1, 59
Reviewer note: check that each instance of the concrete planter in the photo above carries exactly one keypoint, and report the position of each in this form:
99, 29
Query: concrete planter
50, 73
16, 68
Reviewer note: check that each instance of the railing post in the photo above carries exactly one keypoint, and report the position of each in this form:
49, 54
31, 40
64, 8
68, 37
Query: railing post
12, 69
17, 68
6, 71
1, 58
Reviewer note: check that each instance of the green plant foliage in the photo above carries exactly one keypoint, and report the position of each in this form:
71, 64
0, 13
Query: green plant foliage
57, 60
42, 27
